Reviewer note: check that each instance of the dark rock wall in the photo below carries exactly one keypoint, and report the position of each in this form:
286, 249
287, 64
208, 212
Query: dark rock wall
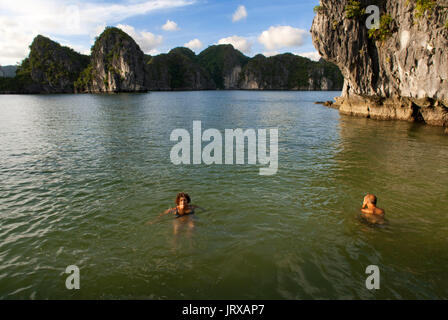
403, 75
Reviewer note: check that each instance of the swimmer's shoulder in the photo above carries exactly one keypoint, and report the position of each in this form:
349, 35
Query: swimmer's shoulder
375, 212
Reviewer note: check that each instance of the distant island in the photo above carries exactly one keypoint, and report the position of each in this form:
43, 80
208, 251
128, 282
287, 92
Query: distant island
8, 71
117, 64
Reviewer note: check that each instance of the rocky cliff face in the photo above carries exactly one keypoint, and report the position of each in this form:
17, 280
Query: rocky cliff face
289, 72
224, 64
177, 70
116, 65
52, 67
398, 71
224, 67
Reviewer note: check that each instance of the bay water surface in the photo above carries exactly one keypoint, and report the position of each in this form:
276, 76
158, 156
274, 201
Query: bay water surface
80, 175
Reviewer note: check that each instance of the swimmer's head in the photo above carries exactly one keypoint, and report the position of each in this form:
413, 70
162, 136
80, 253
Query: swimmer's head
182, 199
370, 198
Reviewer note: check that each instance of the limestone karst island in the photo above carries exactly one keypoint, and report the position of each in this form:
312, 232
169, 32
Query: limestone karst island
213, 150
117, 64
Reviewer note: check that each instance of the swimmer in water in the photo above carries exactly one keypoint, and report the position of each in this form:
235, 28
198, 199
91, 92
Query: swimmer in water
369, 206
183, 207
370, 212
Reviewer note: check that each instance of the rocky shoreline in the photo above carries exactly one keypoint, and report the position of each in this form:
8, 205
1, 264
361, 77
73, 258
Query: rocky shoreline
399, 108
425, 110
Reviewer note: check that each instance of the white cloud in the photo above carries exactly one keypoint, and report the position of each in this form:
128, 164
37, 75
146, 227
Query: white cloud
14, 43
170, 26
21, 21
282, 36
194, 44
270, 53
97, 31
238, 43
153, 52
313, 55
239, 14
147, 41
77, 47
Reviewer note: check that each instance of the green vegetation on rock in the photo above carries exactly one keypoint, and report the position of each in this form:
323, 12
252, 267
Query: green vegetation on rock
181, 63
49, 68
385, 29
354, 9
117, 64
219, 60
318, 9
424, 6
84, 80
110, 32
177, 70
18, 84
55, 65
289, 72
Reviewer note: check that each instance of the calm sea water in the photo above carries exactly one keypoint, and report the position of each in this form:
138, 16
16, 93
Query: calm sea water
81, 174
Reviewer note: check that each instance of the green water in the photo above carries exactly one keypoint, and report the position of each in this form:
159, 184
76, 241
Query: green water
81, 174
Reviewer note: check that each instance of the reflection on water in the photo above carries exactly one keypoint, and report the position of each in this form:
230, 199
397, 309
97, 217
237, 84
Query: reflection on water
184, 223
373, 221
81, 174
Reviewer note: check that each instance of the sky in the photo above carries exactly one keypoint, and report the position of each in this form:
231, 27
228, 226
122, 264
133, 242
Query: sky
254, 26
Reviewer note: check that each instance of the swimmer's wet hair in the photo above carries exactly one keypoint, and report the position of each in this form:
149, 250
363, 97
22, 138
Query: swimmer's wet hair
372, 198
182, 195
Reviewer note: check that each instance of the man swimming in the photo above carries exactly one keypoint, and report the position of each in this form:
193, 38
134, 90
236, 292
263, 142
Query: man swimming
369, 206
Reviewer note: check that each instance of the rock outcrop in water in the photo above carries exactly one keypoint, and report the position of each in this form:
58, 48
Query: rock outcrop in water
224, 64
177, 70
289, 72
398, 71
53, 66
223, 67
50, 68
116, 65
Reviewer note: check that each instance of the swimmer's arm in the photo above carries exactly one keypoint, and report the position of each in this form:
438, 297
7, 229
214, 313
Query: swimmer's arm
161, 215
364, 204
167, 211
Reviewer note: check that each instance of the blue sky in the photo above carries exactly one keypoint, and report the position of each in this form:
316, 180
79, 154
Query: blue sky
253, 26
